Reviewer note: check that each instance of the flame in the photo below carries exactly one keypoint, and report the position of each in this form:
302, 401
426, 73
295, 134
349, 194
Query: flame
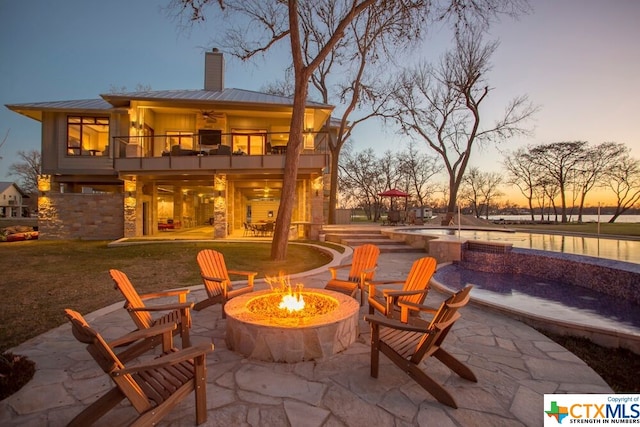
292, 302
292, 299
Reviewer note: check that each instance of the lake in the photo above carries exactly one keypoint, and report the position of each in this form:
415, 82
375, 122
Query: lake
585, 218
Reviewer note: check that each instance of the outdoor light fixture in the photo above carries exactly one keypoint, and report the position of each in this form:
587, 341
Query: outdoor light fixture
44, 184
129, 187
317, 185
220, 184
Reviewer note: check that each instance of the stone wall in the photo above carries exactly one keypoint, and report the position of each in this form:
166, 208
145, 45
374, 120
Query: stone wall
64, 216
621, 279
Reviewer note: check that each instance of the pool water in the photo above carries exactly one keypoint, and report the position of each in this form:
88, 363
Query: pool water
609, 248
543, 298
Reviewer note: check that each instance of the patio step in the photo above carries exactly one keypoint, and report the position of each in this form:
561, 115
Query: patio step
357, 236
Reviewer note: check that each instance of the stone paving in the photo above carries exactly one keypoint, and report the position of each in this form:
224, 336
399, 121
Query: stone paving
515, 366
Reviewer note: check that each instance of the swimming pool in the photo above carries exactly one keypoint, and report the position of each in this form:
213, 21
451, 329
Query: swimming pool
607, 320
609, 248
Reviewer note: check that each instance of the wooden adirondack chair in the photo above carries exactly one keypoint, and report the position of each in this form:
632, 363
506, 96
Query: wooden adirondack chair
153, 387
394, 303
361, 269
406, 345
217, 283
178, 313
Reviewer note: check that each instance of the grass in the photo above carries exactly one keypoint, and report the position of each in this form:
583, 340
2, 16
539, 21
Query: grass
42, 278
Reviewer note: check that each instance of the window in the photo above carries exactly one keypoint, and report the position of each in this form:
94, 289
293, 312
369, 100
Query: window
249, 141
181, 139
87, 136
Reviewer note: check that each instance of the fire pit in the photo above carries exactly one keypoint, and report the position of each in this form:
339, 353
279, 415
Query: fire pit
258, 327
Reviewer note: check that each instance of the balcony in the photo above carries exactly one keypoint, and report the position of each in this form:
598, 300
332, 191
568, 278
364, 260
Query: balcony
139, 155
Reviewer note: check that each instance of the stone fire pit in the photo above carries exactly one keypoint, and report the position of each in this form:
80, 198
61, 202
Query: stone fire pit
276, 339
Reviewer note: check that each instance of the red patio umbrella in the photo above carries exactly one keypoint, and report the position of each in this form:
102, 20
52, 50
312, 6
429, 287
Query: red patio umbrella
394, 192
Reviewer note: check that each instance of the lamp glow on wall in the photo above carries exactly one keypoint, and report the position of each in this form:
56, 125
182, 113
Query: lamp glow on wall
129, 187
44, 184
317, 184
220, 185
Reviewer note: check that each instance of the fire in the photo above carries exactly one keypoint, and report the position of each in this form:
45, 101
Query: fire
292, 303
292, 299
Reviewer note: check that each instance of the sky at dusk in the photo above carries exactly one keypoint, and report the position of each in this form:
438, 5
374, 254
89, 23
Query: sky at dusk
578, 60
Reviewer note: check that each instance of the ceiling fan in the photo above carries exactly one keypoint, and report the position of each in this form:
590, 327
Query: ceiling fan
211, 115
266, 189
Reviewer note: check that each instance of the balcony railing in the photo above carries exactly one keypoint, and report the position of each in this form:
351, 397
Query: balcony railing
192, 152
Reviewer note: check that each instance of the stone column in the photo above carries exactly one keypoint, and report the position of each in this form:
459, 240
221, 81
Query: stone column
177, 206
220, 207
130, 205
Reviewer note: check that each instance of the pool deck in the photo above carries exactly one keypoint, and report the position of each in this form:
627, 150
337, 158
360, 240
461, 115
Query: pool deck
515, 366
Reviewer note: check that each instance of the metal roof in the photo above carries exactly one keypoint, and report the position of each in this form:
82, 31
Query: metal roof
34, 109
225, 96
239, 97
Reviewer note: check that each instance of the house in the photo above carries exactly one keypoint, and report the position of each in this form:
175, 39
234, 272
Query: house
143, 163
12, 203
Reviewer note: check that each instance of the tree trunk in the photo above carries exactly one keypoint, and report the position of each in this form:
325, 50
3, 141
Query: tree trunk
333, 188
292, 160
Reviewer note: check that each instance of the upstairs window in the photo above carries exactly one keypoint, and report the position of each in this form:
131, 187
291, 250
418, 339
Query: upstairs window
180, 139
250, 142
87, 136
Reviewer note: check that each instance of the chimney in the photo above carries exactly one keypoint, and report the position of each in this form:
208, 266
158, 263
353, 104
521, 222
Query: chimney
214, 70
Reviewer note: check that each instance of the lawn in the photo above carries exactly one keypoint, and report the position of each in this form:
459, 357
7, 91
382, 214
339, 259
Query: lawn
42, 278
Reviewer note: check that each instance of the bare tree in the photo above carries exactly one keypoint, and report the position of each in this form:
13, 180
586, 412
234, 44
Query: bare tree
442, 106
522, 173
596, 163
560, 162
623, 177
361, 175
27, 171
470, 190
418, 170
375, 38
6, 136
481, 190
491, 190
272, 21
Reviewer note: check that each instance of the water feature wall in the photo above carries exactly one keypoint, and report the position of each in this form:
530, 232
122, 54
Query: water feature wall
620, 279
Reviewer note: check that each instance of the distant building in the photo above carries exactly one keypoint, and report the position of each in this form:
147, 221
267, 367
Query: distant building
12, 203
142, 163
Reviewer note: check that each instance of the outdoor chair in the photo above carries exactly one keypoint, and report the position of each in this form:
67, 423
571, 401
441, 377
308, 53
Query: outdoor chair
217, 283
393, 218
248, 230
406, 345
153, 387
178, 313
401, 303
361, 269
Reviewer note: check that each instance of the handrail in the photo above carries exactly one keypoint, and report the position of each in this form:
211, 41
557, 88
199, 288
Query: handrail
193, 144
